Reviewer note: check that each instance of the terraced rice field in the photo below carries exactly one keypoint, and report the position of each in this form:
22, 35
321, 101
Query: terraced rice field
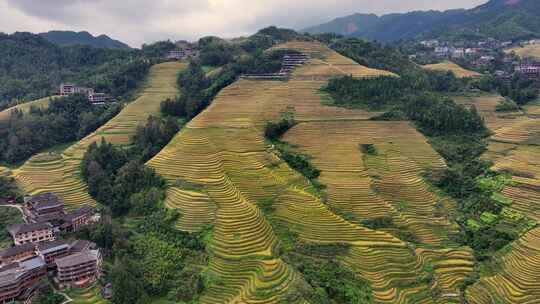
387, 184
25, 107
526, 51
90, 295
452, 67
219, 166
60, 172
514, 149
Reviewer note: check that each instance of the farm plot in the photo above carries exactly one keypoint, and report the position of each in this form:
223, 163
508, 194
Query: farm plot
452, 67
386, 184
60, 173
25, 107
219, 167
517, 279
486, 105
514, 150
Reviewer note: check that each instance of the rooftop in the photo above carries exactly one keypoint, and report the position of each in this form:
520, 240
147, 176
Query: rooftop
17, 250
78, 258
44, 201
53, 246
82, 245
10, 273
23, 228
79, 212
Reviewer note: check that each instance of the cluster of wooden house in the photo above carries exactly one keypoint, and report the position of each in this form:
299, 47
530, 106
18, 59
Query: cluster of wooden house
291, 60
38, 253
68, 89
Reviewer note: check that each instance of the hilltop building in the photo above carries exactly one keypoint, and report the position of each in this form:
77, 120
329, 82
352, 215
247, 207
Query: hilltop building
68, 89
182, 54
93, 97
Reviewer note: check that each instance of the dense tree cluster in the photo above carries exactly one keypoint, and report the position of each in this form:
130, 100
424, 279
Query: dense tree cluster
150, 259
65, 120
372, 54
31, 68
519, 89
8, 187
411, 96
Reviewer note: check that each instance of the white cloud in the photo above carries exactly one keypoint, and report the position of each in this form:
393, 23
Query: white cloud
138, 21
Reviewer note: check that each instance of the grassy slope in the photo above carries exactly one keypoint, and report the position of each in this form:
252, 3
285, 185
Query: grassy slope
59, 172
219, 166
527, 51
450, 66
25, 107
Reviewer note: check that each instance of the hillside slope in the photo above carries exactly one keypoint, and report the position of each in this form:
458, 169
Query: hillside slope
25, 107
502, 19
84, 38
219, 167
514, 150
59, 173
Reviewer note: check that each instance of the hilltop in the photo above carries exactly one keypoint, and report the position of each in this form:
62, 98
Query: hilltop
83, 38
501, 19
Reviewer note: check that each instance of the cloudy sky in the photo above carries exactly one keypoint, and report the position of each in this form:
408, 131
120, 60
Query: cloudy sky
138, 21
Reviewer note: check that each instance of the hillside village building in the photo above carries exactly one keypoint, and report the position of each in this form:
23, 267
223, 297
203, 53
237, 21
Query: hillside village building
17, 253
182, 54
77, 264
68, 89
93, 97
42, 206
79, 270
48, 208
31, 233
18, 280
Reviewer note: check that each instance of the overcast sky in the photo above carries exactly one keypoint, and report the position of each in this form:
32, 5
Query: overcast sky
139, 21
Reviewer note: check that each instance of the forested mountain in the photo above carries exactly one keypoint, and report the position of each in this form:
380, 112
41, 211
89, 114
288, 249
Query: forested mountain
84, 38
502, 19
32, 67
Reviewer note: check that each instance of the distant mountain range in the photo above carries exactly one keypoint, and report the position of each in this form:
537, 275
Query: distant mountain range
84, 38
502, 19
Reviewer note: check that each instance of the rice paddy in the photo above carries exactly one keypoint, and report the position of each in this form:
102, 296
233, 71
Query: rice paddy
452, 67
219, 166
60, 172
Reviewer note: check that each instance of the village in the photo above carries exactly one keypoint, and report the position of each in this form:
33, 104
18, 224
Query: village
489, 55
42, 254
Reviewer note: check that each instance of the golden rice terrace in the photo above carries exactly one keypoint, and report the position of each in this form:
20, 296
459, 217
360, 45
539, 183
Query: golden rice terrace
220, 166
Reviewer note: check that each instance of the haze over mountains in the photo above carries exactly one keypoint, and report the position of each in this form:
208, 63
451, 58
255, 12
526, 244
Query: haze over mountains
502, 19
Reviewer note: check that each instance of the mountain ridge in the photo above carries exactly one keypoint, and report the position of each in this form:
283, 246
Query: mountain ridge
503, 19
85, 38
